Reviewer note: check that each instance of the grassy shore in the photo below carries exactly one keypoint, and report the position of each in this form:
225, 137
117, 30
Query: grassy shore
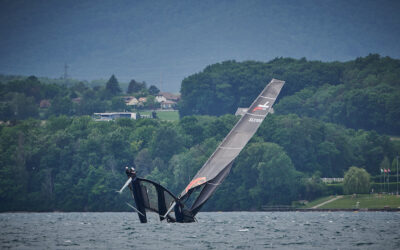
317, 201
361, 201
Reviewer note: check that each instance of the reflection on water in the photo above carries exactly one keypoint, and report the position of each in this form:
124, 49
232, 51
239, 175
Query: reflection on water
251, 230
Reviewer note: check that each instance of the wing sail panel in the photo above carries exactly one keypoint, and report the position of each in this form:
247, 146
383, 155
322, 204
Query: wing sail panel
236, 140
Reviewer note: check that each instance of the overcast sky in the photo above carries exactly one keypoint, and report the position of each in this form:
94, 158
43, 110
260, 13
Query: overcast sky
162, 42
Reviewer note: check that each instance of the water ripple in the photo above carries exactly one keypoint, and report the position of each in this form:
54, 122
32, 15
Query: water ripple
236, 230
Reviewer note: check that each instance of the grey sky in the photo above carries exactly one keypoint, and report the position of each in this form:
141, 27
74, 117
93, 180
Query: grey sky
161, 42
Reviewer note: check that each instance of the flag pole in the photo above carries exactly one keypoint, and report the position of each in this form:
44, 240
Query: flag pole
397, 157
384, 180
381, 181
388, 180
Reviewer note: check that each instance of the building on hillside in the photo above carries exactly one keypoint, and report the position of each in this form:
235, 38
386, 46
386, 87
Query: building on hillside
168, 104
160, 98
44, 104
77, 100
130, 100
166, 96
142, 99
241, 111
332, 180
167, 100
113, 115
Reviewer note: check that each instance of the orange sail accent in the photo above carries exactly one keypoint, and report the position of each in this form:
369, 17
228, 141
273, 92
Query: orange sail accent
195, 182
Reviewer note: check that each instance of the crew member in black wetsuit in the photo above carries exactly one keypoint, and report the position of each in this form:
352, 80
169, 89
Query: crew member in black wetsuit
133, 173
127, 171
130, 172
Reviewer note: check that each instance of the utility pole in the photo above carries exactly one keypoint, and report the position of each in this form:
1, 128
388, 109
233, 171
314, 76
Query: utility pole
382, 179
160, 82
388, 180
65, 71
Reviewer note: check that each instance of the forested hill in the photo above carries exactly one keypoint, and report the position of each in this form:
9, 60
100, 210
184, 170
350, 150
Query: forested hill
363, 93
76, 163
62, 159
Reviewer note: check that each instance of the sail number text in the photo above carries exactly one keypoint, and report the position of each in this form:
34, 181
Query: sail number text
255, 120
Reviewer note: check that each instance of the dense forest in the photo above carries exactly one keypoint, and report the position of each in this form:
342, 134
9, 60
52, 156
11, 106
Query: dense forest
360, 94
59, 158
76, 164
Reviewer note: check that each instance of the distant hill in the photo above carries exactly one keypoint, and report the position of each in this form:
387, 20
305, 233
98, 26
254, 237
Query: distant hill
362, 93
5, 78
162, 42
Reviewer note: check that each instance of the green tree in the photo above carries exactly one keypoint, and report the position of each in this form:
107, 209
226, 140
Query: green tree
151, 102
313, 187
112, 86
117, 104
385, 164
6, 112
356, 181
23, 106
394, 165
144, 162
153, 90
165, 143
61, 106
135, 87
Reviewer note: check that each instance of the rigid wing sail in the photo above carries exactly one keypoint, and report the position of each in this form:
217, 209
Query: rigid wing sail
151, 196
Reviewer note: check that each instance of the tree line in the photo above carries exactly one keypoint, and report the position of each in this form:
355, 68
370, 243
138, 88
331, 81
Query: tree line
329, 117
76, 164
22, 98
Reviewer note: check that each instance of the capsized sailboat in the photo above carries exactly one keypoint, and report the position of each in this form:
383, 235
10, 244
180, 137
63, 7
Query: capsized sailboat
151, 196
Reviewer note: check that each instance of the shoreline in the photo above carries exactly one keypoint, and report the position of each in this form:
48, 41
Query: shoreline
263, 210
335, 210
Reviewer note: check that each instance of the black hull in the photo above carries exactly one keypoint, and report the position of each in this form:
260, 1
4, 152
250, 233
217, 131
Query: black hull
151, 196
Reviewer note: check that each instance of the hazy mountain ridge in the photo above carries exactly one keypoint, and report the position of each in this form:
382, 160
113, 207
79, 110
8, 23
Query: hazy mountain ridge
167, 41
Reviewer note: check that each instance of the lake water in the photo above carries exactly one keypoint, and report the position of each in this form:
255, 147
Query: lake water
224, 230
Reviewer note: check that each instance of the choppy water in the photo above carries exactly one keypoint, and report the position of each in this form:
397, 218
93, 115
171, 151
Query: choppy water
242, 230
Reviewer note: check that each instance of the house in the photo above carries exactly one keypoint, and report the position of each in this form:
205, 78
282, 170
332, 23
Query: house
167, 100
332, 180
77, 100
113, 115
168, 104
44, 104
130, 100
160, 98
142, 99
166, 96
241, 111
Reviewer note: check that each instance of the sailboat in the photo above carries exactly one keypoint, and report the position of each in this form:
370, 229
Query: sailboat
153, 197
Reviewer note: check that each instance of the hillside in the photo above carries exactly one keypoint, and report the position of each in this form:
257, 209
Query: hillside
362, 94
61, 159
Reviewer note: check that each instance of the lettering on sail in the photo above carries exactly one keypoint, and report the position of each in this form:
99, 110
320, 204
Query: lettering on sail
257, 120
